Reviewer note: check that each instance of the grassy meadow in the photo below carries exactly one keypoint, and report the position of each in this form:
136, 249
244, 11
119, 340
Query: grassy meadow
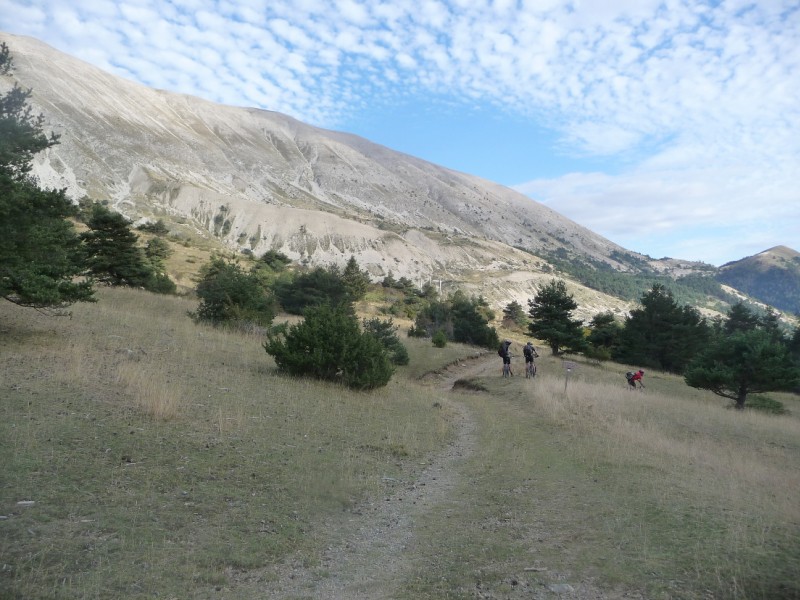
147, 456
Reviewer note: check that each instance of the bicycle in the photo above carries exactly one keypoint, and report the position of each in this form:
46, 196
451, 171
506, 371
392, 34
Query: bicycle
507, 372
530, 370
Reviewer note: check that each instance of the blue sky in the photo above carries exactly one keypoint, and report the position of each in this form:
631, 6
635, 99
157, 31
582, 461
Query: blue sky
670, 127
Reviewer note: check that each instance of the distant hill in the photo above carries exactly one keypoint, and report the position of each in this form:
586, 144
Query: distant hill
772, 277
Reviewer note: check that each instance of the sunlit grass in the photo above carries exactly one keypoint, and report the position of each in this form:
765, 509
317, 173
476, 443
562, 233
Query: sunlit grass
144, 438
677, 496
167, 457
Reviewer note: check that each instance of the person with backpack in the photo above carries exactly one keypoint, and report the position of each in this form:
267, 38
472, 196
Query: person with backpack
633, 377
505, 353
530, 353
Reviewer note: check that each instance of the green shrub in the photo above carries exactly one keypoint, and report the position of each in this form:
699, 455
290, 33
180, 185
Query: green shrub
157, 228
328, 344
439, 339
316, 287
386, 333
230, 296
417, 332
597, 353
157, 250
460, 319
111, 252
160, 283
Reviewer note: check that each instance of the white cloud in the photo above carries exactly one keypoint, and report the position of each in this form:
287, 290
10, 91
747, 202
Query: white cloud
652, 208
686, 94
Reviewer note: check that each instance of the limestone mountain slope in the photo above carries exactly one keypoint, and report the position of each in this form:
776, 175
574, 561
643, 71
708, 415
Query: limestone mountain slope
257, 180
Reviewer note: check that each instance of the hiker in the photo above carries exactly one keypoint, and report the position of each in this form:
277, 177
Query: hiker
634, 377
505, 352
530, 353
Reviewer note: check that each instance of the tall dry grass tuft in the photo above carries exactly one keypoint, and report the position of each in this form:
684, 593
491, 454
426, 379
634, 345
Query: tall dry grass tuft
152, 390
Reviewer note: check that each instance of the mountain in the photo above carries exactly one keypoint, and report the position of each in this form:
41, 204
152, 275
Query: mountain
253, 180
772, 276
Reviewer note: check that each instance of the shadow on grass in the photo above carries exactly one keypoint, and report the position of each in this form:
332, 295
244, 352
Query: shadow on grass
471, 385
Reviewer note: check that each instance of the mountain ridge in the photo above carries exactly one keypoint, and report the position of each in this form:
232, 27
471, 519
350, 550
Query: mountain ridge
772, 276
256, 180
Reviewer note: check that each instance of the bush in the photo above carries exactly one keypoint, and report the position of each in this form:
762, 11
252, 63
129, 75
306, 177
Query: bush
329, 345
230, 296
439, 339
597, 353
318, 286
417, 332
111, 252
386, 333
160, 283
459, 318
157, 228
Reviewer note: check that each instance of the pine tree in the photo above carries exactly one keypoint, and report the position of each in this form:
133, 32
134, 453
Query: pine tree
740, 318
328, 344
112, 254
316, 287
385, 331
551, 318
513, 313
355, 280
662, 334
471, 321
604, 334
40, 255
737, 364
229, 296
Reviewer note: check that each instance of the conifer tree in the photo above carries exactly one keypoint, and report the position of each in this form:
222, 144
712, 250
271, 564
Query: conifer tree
318, 286
551, 318
112, 253
328, 344
514, 313
741, 363
229, 296
355, 280
40, 254
662, 334
740, 318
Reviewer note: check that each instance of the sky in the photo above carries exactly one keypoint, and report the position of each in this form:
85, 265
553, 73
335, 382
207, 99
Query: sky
670, 127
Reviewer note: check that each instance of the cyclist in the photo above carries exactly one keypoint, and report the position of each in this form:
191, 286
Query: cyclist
637, 376
505, 353
530, 353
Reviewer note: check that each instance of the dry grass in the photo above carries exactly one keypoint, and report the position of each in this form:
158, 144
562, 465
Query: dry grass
169, 458
145, 439
672, 494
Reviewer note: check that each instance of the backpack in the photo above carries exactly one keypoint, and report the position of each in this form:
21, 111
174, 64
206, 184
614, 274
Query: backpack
628, 375
501, 351
528, 351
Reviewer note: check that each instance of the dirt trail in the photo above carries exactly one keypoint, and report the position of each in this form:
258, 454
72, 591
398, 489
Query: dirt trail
369, 551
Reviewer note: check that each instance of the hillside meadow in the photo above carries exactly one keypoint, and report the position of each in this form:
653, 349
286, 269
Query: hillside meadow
147, 456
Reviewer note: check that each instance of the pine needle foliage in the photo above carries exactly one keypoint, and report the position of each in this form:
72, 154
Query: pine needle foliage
329, 344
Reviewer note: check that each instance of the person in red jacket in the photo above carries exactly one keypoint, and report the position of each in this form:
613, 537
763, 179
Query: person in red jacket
637, 376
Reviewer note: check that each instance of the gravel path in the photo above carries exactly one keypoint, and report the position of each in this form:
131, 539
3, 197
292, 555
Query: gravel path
370, 549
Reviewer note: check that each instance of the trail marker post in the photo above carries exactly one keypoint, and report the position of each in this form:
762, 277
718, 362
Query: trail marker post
569, 366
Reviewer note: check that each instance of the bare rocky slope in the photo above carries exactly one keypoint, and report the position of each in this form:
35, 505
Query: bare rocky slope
258, 180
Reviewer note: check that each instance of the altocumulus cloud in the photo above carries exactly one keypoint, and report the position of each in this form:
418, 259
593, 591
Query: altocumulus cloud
689, 107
